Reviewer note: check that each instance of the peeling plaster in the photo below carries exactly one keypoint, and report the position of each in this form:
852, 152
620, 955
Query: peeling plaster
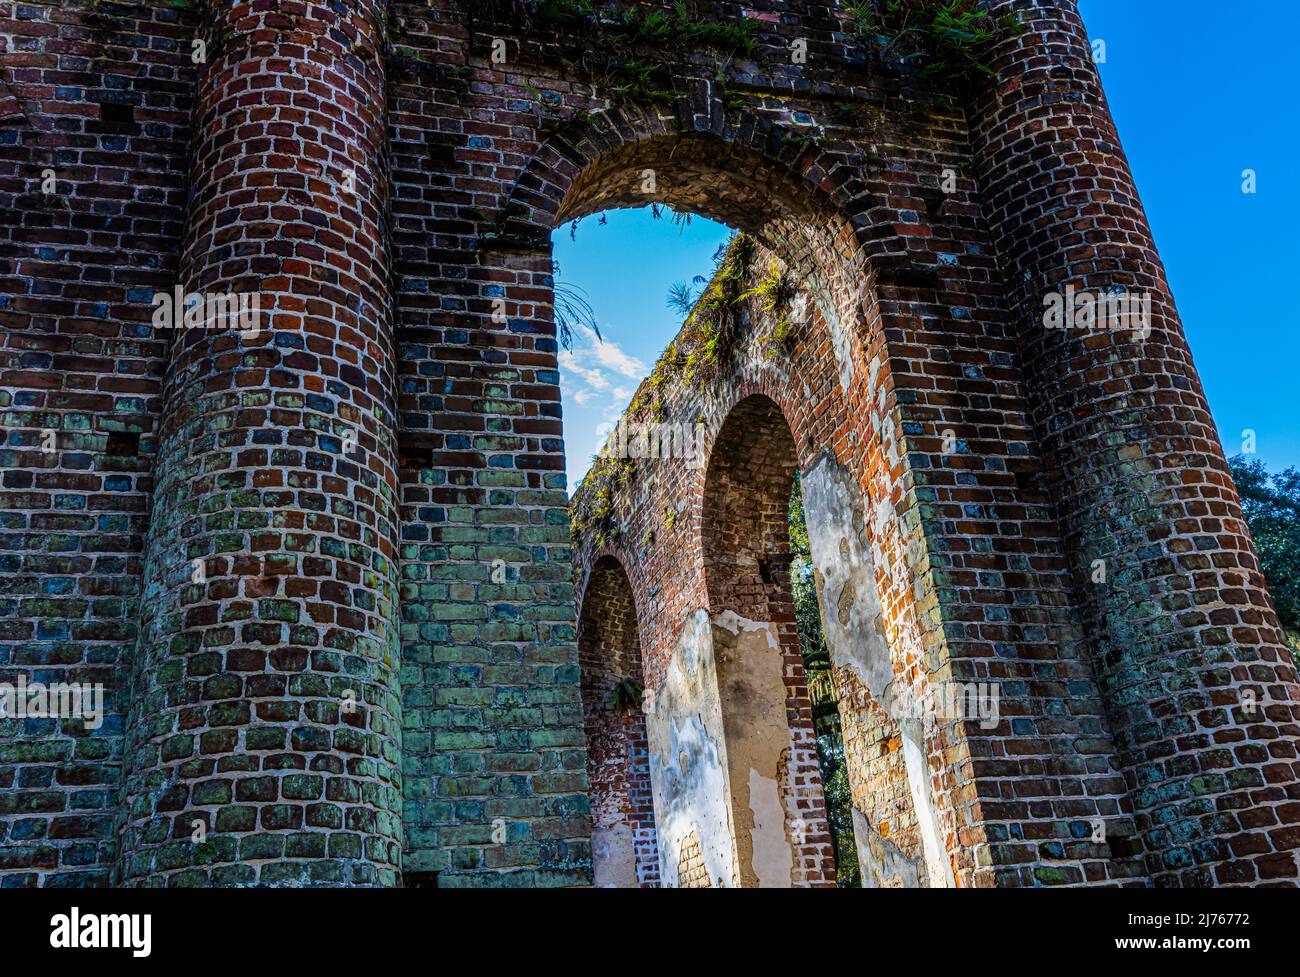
613, 857
882, 864
773, 858
841, 341
688, 772
751, 685
854, 625
918, 778
853, 621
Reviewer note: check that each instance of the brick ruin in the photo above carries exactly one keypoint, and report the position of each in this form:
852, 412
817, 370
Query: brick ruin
320, 561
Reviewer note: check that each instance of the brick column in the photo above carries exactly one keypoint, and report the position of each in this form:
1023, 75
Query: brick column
1200, 690
265, 701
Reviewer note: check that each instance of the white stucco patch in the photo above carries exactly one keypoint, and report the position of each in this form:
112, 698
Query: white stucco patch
918, 779
688, 775
773, 858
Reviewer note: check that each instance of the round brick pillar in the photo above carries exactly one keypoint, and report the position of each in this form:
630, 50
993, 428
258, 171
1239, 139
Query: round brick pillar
1200, 690
265, 724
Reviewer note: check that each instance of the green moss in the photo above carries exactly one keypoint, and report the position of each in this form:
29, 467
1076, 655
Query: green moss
710, 335
775, 292
636, 46
594, 505
948, 39
611, 23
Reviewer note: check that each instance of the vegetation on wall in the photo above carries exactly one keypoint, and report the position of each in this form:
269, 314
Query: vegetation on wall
1271, 503
593, 508
948, 39
616, 24
711, 332
628, 49
774, 292
626, 695
708, 337
821, 686
711, 329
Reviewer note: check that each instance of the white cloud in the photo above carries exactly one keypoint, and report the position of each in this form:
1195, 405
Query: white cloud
612, 355
573, 362
583, 397
606, 353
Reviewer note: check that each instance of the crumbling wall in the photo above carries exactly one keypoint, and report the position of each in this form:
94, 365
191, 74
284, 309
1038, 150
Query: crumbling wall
913, 775
777, 800
751, 687
689, 768
895, 823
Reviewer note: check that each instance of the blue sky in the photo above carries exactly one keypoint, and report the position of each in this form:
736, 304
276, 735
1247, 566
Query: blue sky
1195, 107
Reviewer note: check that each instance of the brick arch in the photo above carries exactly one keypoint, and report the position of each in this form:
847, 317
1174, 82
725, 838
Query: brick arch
744, 527
1001, 461
774, 426
763, 693
914, 820
556, 184
799, 405
624, 849
811, 207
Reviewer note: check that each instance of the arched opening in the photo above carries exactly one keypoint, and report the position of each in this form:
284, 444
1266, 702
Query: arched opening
725, 181
775, 771
737, 774
624, 849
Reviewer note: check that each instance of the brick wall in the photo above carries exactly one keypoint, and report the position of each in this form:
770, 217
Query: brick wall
493, 738
373, 669
101, 106
1191, 661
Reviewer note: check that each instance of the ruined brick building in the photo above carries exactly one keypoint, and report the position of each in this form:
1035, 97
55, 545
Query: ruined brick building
320, 561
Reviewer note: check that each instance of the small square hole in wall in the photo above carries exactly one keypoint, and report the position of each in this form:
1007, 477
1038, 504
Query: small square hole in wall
769, 567
116, 117
420, 880
414, 453
123, 444
1123, 846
